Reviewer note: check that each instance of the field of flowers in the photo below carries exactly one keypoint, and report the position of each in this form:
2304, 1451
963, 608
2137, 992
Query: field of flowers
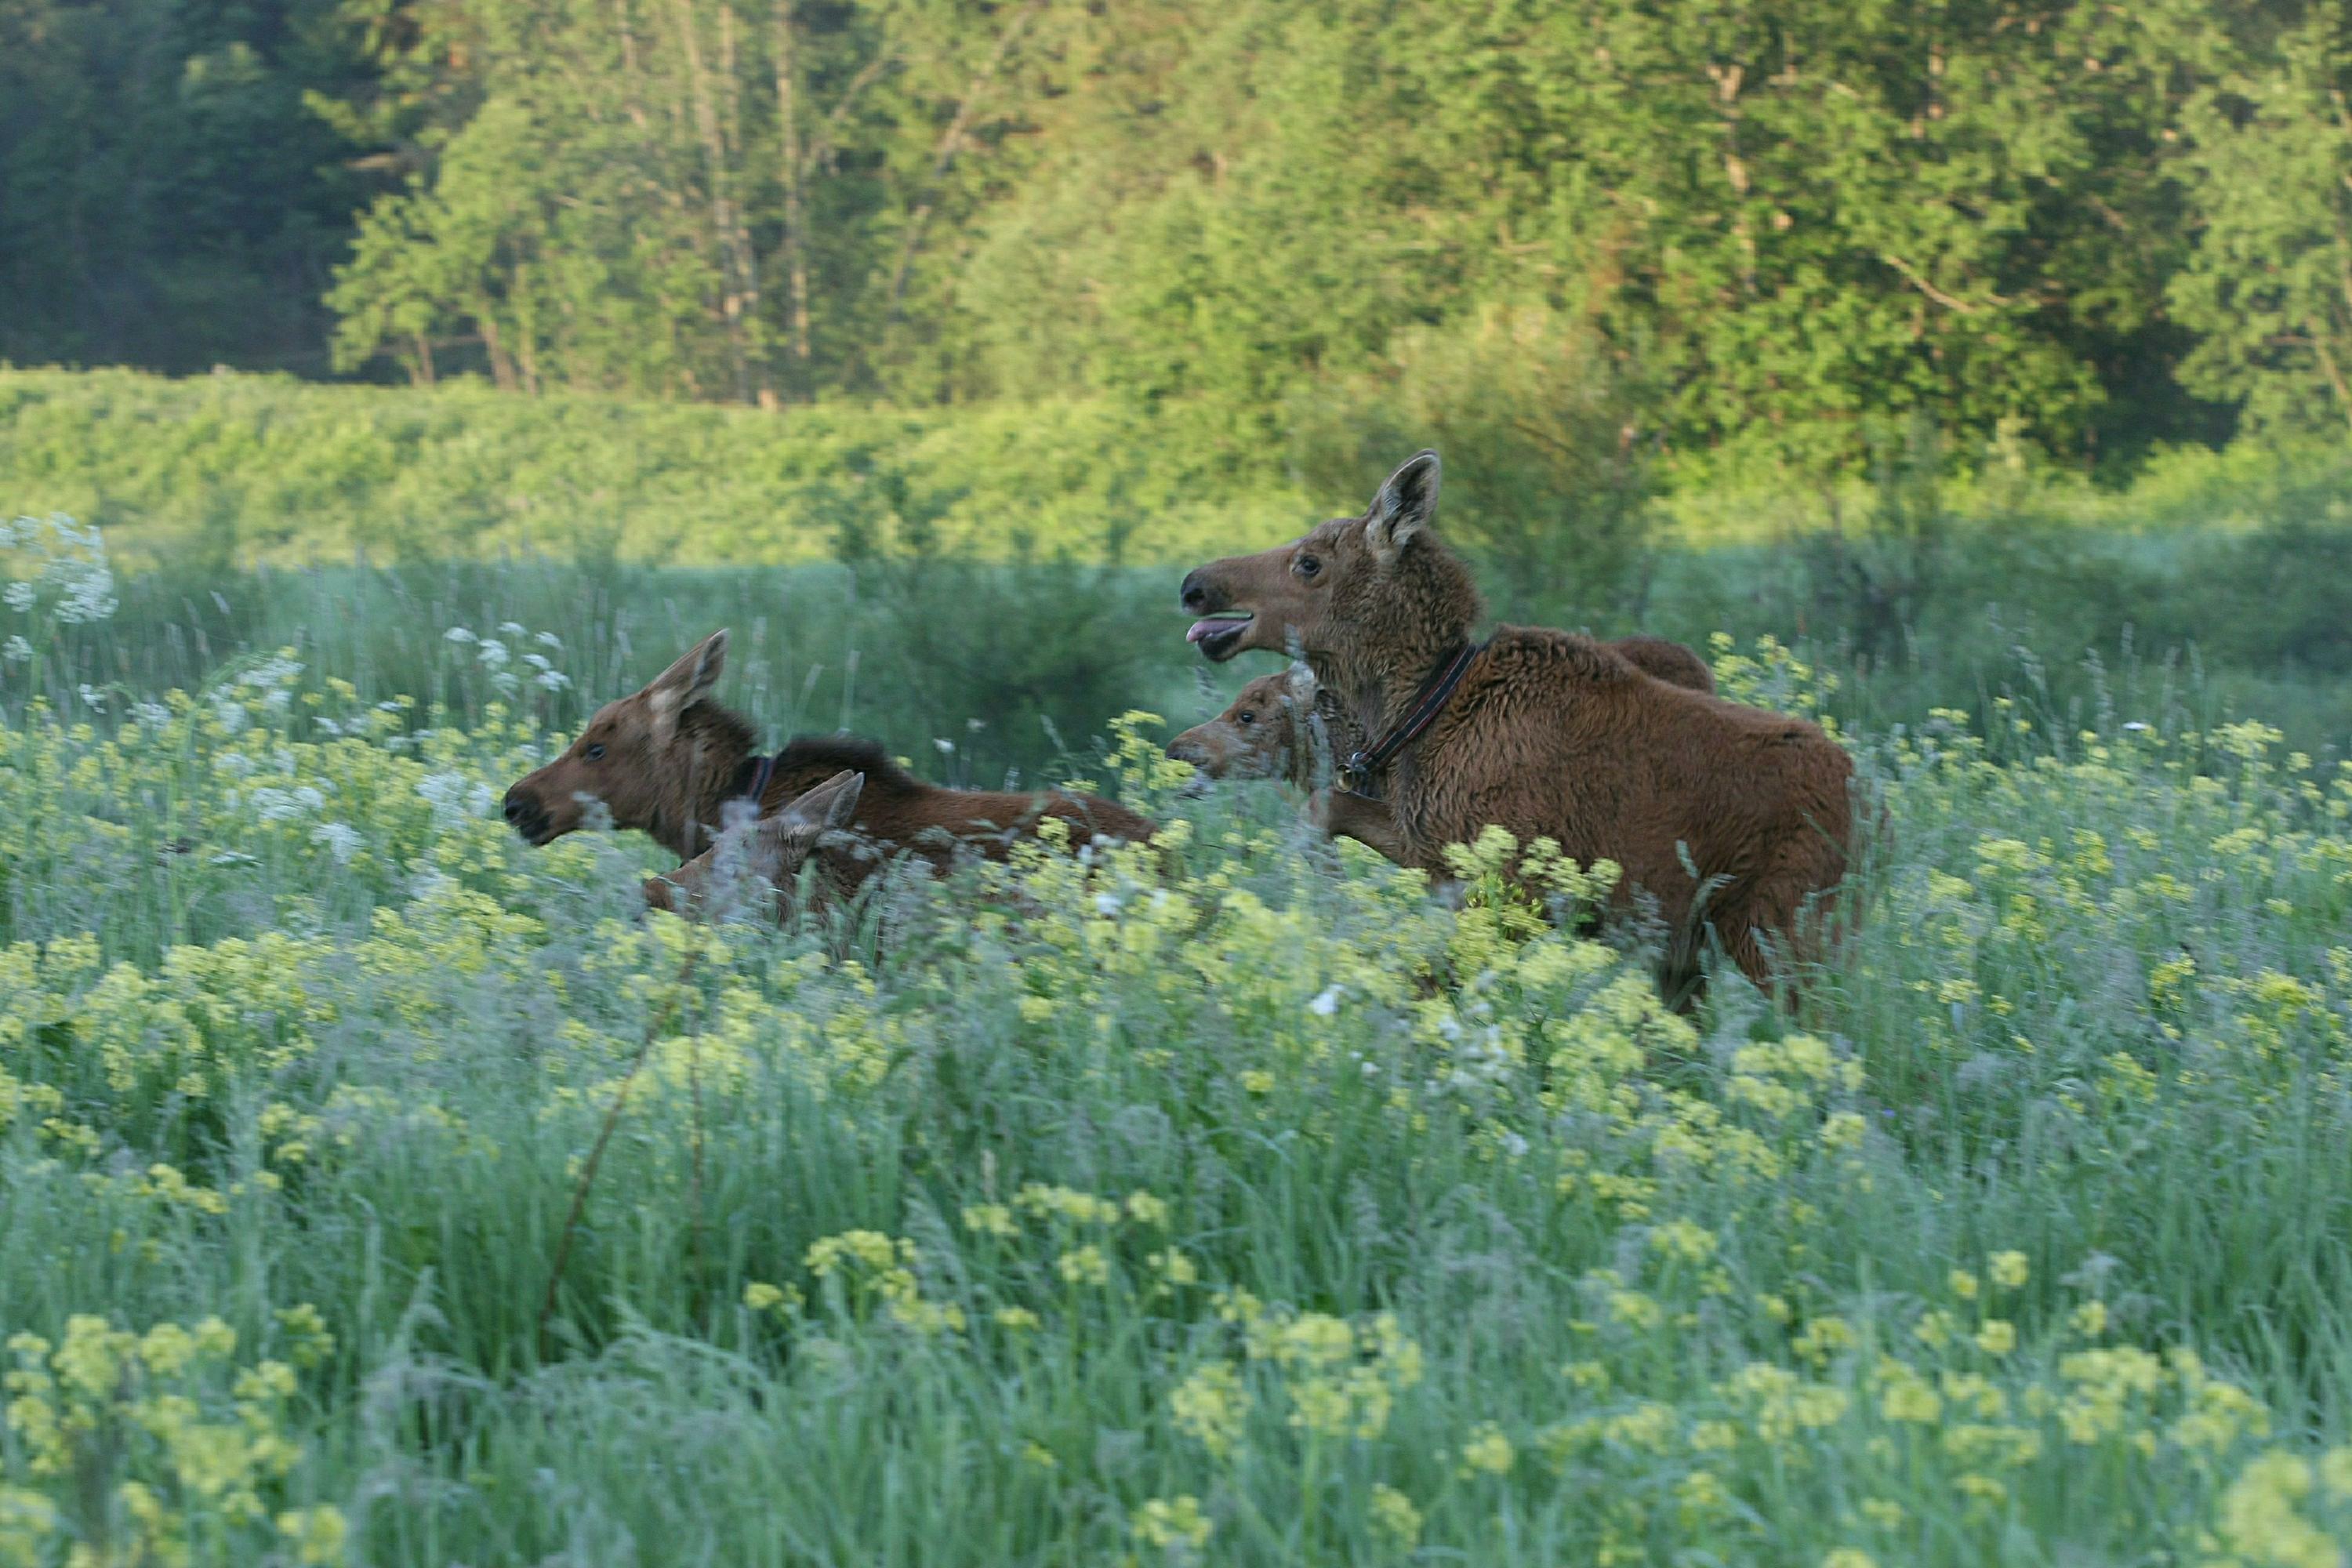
374, 1190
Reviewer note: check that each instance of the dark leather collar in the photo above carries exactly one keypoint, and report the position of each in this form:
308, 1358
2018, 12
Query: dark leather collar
763, 770
1357, 772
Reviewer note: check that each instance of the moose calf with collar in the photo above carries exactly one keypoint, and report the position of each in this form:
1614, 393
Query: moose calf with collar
1730, 818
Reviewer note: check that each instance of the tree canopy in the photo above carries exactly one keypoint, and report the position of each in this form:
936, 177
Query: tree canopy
1784, 231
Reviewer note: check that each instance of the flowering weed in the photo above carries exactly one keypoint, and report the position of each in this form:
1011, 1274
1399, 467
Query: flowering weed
1224, 1200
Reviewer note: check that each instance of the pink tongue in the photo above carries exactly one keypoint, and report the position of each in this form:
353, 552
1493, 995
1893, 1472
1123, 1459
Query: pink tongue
1211, 626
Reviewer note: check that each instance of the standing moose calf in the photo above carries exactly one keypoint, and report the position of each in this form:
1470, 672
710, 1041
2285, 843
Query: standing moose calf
1729, 816
671, 761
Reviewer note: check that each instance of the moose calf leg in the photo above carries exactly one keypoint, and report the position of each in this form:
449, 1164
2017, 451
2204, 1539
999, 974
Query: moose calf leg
1343, 813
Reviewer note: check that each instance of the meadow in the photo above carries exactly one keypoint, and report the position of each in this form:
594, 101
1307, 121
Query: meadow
373, 1189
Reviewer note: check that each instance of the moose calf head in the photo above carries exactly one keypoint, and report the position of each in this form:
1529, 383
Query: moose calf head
638, 758
752, 857
1259, 737
1380, 579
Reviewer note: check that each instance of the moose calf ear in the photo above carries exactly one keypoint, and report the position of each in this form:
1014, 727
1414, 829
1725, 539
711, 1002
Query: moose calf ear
1404, 505
830, 805
844, 805
690, 680
783, 841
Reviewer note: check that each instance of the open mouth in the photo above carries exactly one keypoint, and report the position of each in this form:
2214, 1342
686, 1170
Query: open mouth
1218, 635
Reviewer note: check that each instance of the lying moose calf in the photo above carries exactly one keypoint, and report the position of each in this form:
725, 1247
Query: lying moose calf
671, 762
1268, 733
771, 852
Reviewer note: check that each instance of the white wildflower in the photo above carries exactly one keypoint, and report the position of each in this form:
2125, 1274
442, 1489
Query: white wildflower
152, 715
1327, 1003
16, 650
1106, 903
271, 673
493, 653
549, 639
18, 596
285, 805
511, 628
454, 798
88, 589
552, 679
341, 840
458, 634
92, 698
947, 748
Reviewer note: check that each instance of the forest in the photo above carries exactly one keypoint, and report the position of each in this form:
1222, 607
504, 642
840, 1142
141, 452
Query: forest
1688, 239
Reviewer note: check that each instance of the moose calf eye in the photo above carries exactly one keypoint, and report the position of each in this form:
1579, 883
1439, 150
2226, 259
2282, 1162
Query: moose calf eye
1246, 720
1307, 566
595, 753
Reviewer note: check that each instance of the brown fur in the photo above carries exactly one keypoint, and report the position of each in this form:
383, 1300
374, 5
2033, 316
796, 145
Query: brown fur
1662, 660
1547, 735
1269, 730
752, 859
670, 762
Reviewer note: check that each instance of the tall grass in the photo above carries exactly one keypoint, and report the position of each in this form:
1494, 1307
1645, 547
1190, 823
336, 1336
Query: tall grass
1236, 1203
1000, 660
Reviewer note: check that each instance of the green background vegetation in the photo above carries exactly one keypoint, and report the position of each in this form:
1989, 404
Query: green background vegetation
1733, 238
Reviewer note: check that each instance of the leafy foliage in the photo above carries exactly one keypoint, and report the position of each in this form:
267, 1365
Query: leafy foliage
1779, 235
2270, 287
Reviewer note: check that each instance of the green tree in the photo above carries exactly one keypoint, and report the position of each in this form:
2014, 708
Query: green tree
165, 197
2269, 285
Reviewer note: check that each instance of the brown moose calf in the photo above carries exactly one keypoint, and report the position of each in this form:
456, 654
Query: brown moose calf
674, 764
1269, 731
1729, 817
753, 858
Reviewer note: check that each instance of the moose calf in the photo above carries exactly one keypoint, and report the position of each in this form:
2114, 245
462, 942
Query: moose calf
752, 858
1729, 817
676, 766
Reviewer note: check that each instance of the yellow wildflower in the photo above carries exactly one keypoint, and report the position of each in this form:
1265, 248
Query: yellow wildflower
1488, 1451
1173, 1523
1395, 1513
